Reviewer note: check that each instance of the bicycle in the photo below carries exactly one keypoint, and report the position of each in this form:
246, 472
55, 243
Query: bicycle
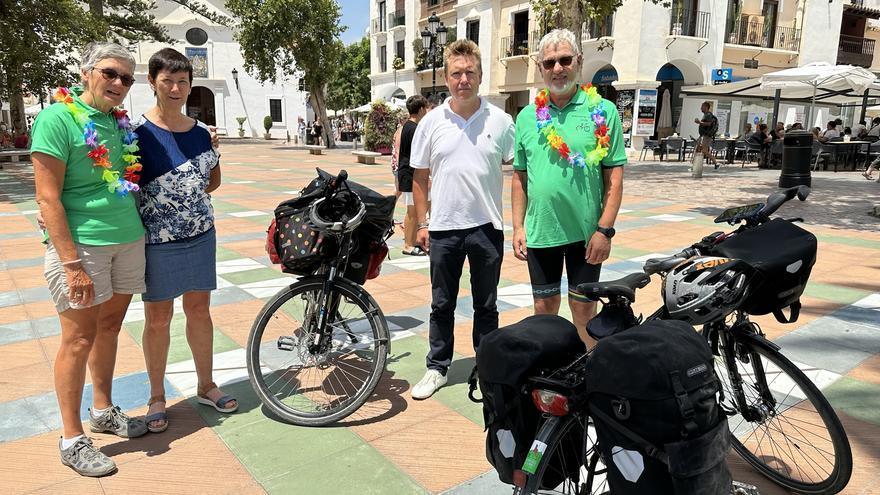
766, 397
318, 348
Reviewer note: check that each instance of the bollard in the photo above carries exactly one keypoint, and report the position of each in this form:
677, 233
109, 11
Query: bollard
797, 151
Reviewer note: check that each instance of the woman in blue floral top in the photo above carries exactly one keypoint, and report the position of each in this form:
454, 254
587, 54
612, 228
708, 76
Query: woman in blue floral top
181, 168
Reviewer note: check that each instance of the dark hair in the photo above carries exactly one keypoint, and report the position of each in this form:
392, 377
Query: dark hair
862, 122
415, 104
832, 123
170, 60
838, 121
876, 120
847, 130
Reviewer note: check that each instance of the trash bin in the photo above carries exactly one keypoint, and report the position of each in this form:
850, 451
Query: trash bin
797, 150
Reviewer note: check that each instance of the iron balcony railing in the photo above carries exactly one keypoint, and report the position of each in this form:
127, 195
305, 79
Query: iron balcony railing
519, 44
593, 29
764, 35
685, 22
397, 18
852, 50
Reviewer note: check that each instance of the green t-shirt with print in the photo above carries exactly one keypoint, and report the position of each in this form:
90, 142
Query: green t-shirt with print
96, 216
564, 201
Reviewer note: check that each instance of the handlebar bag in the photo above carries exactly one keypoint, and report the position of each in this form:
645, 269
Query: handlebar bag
783, 254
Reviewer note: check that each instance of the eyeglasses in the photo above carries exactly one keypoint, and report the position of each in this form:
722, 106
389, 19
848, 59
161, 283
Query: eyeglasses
549, 64
110, 75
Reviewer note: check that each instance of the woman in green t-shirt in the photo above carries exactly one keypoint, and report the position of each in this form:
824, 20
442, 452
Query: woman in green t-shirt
85, 168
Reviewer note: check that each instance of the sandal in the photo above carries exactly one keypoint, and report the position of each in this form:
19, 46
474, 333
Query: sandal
416, 251
159, 416
220, 404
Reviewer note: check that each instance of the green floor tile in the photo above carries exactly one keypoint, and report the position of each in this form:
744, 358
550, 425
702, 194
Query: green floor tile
224, 254
179, 348
849, 241
834, 293
27, 205
361, 470
225, 206
855, 398
623, 252
249, 276
407, 358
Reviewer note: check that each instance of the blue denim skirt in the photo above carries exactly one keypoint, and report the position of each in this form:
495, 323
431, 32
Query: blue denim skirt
174, 268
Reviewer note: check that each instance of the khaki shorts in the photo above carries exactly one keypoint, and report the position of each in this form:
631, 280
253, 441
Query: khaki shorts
114, 269
705, 143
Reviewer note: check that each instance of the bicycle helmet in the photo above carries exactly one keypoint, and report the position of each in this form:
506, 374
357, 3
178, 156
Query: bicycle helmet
705, 288
343, 212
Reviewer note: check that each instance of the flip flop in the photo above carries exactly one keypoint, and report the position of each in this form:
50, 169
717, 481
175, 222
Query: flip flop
159, 416
416, 251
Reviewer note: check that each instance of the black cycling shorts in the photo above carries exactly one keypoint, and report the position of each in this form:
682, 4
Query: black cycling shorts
545, 270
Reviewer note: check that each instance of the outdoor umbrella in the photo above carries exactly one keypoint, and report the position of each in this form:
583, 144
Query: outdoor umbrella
363, 108
665, 118
819, 76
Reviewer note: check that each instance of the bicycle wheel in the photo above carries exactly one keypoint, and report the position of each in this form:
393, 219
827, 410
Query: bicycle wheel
794, 438
308, 381
570, 464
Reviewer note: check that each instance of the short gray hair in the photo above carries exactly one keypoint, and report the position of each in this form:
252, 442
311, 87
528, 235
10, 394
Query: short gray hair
558, 36
96, 51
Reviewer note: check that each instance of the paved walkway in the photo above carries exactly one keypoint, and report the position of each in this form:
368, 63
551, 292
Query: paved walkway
395, 445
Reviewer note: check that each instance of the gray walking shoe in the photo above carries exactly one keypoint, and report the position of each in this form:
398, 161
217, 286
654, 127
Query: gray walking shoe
117, 422
85, 459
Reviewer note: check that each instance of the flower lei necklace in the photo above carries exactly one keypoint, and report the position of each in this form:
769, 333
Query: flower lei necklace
545, 126
99, 152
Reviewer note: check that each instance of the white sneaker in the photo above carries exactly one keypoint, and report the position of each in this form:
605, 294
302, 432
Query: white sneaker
429, 384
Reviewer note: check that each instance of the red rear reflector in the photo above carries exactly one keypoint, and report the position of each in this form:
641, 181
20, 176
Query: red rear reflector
519, 478
550, 402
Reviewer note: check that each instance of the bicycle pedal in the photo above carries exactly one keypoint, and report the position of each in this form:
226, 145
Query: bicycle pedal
286, 343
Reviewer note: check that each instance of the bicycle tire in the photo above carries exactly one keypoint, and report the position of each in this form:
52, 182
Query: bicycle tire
264, 355
570, 434
783, 372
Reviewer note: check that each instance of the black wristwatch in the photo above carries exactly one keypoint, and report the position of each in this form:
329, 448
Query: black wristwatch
606, 231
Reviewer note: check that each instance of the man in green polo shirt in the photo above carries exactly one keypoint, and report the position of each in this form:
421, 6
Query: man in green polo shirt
568, 181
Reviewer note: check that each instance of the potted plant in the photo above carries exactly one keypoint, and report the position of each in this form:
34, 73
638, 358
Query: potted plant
379, 128
240, 121
398, 63
267, 124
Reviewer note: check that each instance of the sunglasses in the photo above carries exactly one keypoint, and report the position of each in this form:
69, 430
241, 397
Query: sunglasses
549, 64
110, 75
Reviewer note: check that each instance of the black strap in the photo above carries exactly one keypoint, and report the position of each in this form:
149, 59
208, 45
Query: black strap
649, 448
794, 312
685, 406
472, 386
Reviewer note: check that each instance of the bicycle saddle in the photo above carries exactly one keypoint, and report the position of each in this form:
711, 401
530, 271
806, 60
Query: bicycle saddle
624, 287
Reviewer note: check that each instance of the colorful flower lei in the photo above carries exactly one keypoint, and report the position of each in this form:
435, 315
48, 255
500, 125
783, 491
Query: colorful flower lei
546, 127
98, 150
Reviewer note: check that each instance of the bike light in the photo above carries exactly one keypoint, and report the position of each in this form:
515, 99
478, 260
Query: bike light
550, 402
519, 478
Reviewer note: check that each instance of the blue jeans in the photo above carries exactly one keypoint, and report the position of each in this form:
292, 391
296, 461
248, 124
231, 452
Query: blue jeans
484, 248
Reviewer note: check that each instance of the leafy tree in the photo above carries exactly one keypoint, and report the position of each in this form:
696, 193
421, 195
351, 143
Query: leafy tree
571, 14
283, 38
40, 40
350, 85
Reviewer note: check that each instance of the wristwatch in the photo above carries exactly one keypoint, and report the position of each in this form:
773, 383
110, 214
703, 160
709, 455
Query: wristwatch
606, 231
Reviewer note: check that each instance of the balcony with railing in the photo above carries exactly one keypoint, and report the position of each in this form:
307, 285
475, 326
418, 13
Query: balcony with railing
753, 31
397, 18
378, 25
595, 29
852, 50
684, 22
519, 44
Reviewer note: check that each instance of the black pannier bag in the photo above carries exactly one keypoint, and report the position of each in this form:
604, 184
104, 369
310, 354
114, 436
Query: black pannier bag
652, 395
302, 248
505, 358
783, 254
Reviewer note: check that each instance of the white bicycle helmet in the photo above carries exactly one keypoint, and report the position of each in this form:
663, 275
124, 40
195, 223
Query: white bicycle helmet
704, 288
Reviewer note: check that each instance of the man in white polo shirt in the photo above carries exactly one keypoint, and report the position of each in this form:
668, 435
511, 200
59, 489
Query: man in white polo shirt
461, 145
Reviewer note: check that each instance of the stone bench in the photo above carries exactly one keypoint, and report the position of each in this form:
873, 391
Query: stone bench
315, 149
14, 154
366, 157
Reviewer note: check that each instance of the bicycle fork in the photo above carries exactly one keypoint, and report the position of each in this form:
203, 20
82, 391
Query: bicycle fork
734, 353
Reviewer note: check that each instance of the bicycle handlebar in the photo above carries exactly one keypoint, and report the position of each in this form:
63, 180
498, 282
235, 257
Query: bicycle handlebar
777, 199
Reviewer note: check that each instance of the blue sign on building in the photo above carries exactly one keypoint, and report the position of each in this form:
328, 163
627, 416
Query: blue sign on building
722, 76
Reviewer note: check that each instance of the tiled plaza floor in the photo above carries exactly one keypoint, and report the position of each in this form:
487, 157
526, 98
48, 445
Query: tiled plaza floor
395, 445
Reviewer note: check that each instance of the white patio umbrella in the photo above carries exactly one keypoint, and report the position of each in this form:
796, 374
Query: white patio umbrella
819, 76
665, 117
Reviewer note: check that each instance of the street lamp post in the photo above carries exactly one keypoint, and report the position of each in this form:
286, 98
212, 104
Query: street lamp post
433, 40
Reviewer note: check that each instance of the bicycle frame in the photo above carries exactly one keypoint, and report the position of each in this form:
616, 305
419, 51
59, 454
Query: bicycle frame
326, 305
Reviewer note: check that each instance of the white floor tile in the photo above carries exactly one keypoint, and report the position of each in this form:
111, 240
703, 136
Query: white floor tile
238, 265
670, 218
267, 288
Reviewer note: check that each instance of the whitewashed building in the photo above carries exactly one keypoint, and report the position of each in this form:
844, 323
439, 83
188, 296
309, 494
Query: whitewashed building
222, 90
637, 54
